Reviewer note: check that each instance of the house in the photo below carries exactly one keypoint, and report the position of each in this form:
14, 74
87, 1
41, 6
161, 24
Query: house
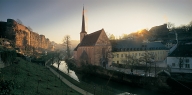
180, 60
169, 44
93, 48
122, 48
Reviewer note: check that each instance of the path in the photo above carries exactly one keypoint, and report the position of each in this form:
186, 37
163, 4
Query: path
69, 83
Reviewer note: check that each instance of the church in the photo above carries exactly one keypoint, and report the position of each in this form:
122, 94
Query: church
94, 48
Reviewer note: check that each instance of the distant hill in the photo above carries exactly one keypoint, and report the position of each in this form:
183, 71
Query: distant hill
162, 33
74, 43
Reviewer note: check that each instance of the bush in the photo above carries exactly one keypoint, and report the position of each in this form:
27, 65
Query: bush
6, 87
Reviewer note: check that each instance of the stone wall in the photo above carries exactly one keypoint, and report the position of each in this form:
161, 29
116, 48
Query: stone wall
23, 37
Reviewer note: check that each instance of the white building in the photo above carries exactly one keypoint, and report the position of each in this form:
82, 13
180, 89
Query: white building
180, 60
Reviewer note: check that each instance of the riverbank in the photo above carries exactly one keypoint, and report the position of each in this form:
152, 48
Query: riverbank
98, 90
28, 78
156, 85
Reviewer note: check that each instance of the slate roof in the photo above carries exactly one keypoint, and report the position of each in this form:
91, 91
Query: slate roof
90, 39
182, 50
130, 45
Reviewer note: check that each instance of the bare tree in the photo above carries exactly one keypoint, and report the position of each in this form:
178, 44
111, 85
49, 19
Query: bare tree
19, 21
59, 57
170, 26
148, 59
130, 61
181, 62
67, 44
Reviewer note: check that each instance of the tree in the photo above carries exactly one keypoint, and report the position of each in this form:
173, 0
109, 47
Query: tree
148, 59
170, 25
67, 44
130, 61
19, 21
111, 37
181, 62
8, 56
59, 57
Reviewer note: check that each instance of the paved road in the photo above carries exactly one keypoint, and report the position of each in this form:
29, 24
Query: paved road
69, 83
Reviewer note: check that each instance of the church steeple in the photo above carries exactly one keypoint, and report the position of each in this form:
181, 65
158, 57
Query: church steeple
83, 22
83, 32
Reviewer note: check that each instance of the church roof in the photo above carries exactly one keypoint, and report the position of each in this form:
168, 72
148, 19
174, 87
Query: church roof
91, 39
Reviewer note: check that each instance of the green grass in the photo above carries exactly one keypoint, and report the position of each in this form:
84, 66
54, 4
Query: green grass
99, 90
33, 79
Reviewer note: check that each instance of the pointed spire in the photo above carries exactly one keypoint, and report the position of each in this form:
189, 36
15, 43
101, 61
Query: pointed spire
83, 22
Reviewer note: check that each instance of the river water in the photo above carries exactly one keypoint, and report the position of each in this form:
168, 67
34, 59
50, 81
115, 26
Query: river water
101, 82
63, 68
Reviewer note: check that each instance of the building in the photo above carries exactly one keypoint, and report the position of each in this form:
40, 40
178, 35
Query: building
123, 48
22, 37
93, 48
171, 43
180, 60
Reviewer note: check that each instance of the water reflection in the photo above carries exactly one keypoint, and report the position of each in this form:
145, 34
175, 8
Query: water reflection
63, 68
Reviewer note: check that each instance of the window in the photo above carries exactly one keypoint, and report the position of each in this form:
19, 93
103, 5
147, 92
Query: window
121, 55
135, 54
117, 62
173, 64
117, 55
187, 60
139, 54
181, 65
125, 55
187, 65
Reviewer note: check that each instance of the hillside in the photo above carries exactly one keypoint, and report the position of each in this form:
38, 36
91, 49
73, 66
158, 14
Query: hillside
31, 79
162, 33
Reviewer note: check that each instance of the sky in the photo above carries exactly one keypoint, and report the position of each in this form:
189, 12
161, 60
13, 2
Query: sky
57, 18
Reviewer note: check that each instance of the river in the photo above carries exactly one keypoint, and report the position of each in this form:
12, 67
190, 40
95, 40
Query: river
101, 82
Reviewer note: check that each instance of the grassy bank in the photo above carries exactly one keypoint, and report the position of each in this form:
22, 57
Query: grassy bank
98, 90
33, 79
